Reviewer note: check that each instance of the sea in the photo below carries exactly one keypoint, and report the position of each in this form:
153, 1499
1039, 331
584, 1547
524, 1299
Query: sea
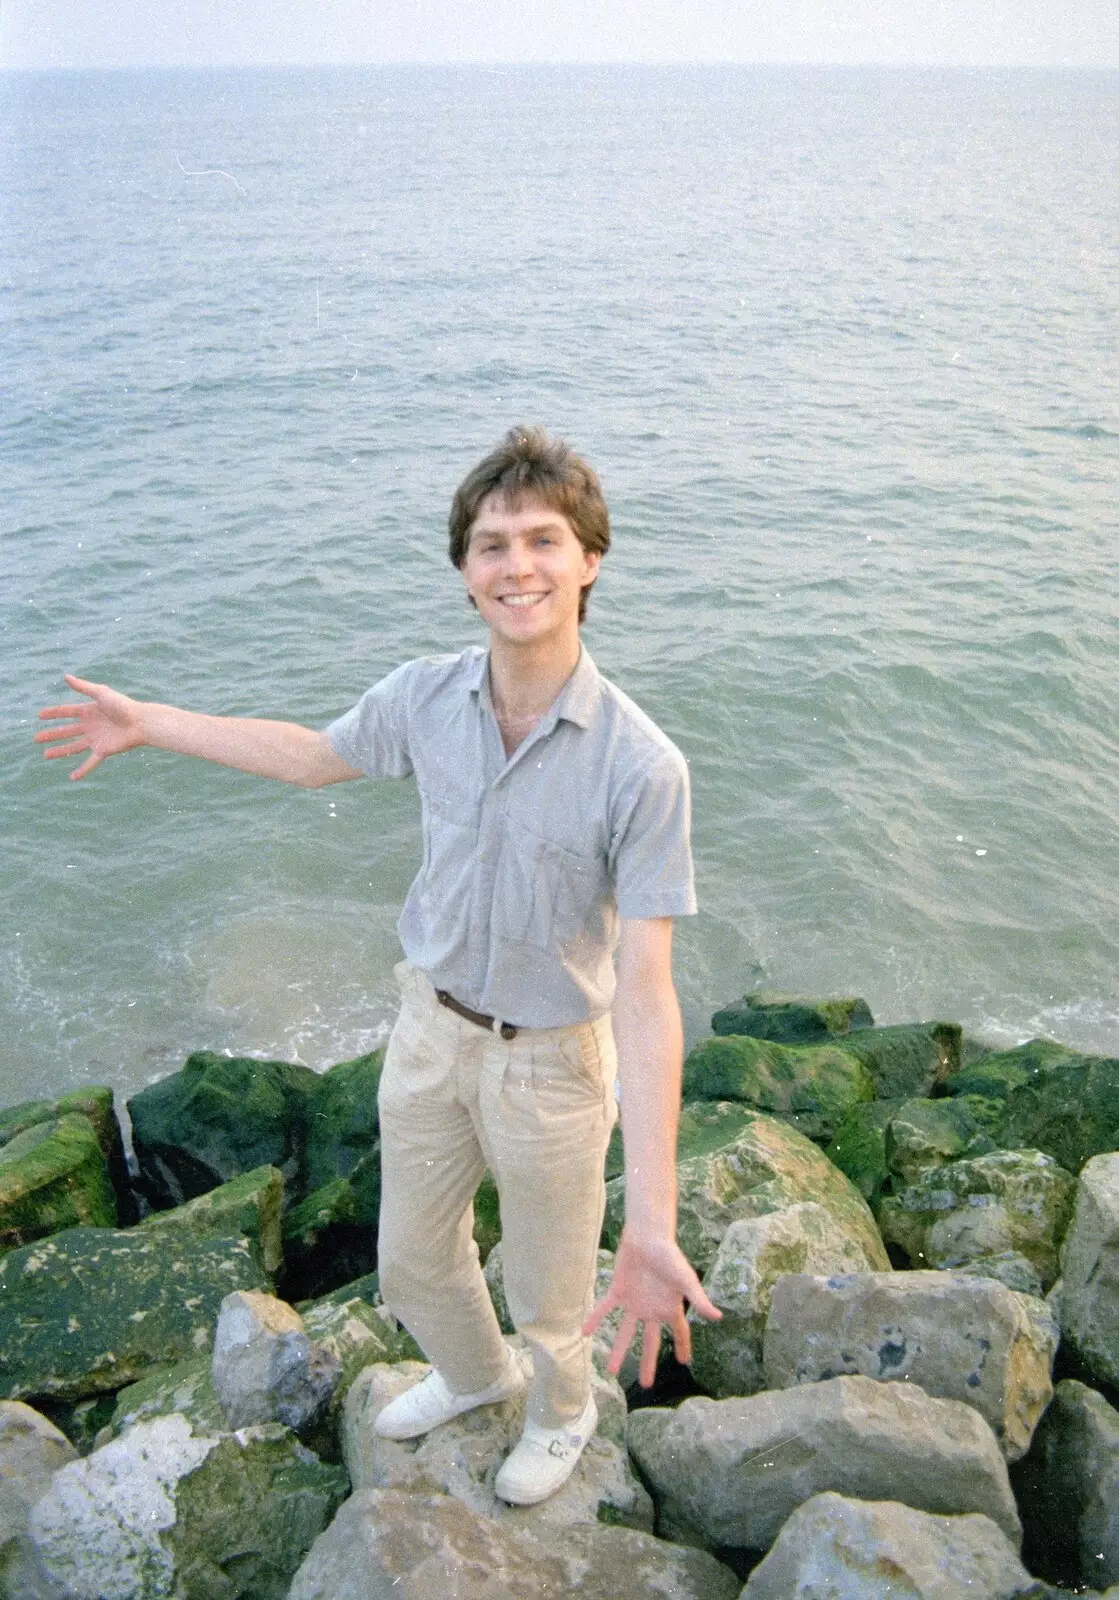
843, 346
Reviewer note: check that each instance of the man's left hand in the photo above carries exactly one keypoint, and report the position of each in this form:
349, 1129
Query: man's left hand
652, 1279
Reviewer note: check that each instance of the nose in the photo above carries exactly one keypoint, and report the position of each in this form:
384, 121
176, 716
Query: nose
518, 559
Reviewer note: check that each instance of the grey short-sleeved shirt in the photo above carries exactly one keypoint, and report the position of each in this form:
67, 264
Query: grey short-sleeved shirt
529, 860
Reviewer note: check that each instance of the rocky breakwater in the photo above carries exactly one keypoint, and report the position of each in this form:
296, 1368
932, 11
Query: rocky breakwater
912, 1239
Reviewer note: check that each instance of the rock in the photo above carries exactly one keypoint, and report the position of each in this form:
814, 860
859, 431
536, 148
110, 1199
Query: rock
461, 1458
1010, 1200
1010, 1269
342, 1125
31, 1452
385, 1545
247, 1207
1090, 1271
1068, 1489
767, 1167
789, 1019
355, 1332
91, 1309
218, 1118
95, 1103
487, 1216
995, 1074
911, 1059
164, 1513
330, 1238
871, 1549
754, 1255
729, 1473
812, 1086
1056, 1100
922, 1135
958, 1338
859, 1146
186, 1387
1070, 1110
53, 1175
265, 1368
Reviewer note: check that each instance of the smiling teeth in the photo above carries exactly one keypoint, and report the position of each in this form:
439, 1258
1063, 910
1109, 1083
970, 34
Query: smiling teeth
520, 599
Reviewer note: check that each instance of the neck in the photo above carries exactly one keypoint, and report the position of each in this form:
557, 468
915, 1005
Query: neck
524, 681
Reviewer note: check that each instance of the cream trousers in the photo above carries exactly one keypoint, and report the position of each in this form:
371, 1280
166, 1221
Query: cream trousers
537, 1110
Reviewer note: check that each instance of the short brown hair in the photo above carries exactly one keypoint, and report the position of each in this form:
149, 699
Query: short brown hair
528, 465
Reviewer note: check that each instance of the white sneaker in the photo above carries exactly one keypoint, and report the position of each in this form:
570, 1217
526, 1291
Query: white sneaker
428, 1403
544, 1459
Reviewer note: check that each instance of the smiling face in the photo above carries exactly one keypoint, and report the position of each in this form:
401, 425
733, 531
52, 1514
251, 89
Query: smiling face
525, 570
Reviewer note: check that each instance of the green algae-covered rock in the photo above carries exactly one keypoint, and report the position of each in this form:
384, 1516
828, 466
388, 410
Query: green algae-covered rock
704, 1125
859, 1146
53, 1175
218, 1118
1069, 1109
1056, 1099
330, 1238
996, 1073
790, 1019
487, 1215
95, 1103
186, 1388
766, 1167
1010, 1200
924, 1134
342, 1124
91, 1309
247, 1207
812, 1087
907, 1060
206, 1518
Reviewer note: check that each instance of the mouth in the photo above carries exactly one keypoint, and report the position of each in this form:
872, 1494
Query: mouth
521, 602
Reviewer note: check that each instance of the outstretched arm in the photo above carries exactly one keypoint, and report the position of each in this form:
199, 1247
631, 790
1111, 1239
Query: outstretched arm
108, 723
652, 1276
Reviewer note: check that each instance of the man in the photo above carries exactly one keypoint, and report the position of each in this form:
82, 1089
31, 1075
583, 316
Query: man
555, 823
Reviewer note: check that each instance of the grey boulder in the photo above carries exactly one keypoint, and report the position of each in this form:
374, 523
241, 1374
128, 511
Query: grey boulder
729, 1473
1068, 1489
1090, 1271
754, 1255
957, 1337
385, 1545
874, 1549
265, 1369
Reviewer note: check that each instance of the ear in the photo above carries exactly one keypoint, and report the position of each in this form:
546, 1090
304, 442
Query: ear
592, 560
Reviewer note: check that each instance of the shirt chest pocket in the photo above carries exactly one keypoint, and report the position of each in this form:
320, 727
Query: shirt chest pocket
545, 894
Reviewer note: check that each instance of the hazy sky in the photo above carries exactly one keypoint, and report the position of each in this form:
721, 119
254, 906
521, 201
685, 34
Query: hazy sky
106, 33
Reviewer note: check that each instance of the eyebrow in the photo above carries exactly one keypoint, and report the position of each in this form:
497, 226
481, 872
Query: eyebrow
483, 532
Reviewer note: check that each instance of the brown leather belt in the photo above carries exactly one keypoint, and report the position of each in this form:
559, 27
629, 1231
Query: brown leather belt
479, 1018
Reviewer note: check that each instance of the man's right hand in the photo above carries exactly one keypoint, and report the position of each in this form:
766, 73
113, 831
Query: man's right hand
109, 723
106, 724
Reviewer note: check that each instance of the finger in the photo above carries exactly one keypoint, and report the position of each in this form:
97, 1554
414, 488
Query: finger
45, 735
621, 1344
82, 685
650, 1351
86, 766
702, 1305
74, 749
62, 711
682, 1339
601, 1311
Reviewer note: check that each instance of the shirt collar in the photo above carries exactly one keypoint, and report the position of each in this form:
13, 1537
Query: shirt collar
575, 702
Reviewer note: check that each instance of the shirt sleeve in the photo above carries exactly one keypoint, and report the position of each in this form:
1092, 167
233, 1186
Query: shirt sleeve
373, 735
650, 851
